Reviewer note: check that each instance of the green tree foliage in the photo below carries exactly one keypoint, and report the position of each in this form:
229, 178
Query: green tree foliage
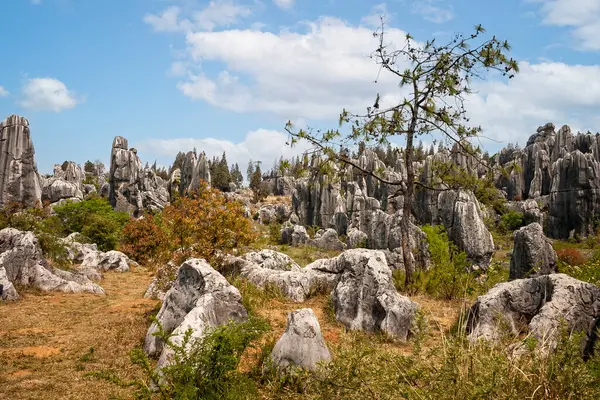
436, 73
95, 219
89, 167
250, 171
236, 175
219, 173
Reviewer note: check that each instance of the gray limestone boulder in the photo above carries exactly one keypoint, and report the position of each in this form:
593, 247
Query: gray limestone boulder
294, 235
365, 297
200, 298
22, 260
327, 240
532, 254
20, 181
302, 344
536, 306
7, 289
461, 216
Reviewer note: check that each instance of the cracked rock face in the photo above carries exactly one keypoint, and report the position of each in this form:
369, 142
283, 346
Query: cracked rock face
537, 306
200, 298
365, 297
302, 344
22, 262
19, 178
533, 254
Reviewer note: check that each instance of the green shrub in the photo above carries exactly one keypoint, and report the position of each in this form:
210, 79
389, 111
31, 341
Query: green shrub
511, 221
448, 277
205, 368
275, 233
94, 218
588, 272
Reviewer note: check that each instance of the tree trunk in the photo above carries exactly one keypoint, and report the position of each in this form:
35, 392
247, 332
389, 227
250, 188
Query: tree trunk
407, 210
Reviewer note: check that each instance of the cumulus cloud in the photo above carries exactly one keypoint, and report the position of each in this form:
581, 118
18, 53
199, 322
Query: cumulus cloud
258, 145
315, 73
3, 92
47, 94
583, 16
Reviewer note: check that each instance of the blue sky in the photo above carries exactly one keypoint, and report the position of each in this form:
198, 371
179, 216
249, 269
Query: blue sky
227, 74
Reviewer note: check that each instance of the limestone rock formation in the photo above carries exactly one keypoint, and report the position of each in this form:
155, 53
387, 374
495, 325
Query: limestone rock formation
537, 306
200, 298
193, 170
302, 344
66, 183
19, 178
533, 254
23, 264
133, 188
7, 289
91, 258
365, 297
268, 267
559, 166
461, 215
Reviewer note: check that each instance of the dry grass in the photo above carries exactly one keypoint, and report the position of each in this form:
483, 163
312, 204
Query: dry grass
46, 339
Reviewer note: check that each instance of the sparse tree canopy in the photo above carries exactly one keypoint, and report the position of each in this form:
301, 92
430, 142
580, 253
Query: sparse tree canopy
438, 78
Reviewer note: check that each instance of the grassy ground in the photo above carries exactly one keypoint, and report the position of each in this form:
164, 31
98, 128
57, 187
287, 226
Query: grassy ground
49, 340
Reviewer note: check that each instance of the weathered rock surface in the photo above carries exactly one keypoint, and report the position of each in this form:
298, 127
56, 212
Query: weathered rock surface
537, 306
19, 178
532, 254
7, 289
365, 297
563, 167
66, 183
302, 344
200, 298
461, 215
91, 258
273, 213
133, 188
193, 170
268, 267
23, 263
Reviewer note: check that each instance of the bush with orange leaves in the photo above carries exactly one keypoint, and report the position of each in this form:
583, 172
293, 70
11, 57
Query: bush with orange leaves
202, 224
206, 224
571, 256
145, 240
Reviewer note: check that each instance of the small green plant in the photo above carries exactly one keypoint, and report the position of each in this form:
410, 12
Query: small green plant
511, 221
275, 233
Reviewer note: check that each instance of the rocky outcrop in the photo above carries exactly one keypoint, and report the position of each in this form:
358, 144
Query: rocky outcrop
19, 178
365, 297
23, 264
273, 213
532, 253
270, 268
199, 299
302, 344
89, 257
66, 183
559, 166
132, 188
296, 235
537, 306
461, 216
193, 170
7, 289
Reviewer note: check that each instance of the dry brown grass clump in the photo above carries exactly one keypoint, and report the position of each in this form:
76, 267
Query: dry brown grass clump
48, 341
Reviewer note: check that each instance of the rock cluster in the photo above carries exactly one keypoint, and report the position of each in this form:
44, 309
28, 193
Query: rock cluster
560, 170
133, 188
65, 184
360, 282
21, 262
536, 306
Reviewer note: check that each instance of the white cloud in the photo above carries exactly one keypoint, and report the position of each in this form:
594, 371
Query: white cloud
218, 13
314, 74
259, 145
430, 11
47, 94
284, 4
581, 15
3, 92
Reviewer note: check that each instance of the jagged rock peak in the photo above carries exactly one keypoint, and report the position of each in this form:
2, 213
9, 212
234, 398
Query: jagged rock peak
19, 178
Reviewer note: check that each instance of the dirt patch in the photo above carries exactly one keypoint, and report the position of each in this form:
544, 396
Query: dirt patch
49, 342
